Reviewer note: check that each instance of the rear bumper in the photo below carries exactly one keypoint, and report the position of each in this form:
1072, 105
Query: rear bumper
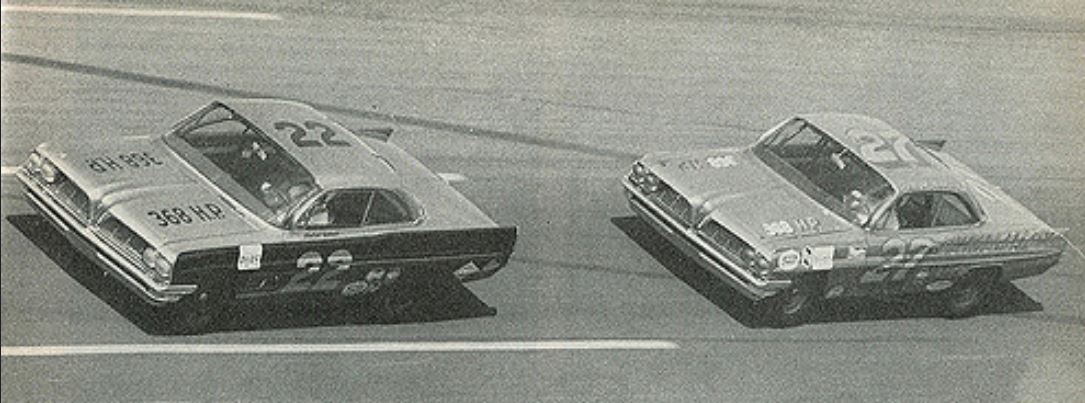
689, 243
94, 248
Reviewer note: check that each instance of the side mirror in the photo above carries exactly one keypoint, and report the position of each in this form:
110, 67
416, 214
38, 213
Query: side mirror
382, 133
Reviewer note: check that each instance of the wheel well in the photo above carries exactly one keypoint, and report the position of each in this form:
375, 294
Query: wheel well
992, 270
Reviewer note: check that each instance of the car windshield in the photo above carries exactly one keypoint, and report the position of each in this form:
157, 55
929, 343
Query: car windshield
825, 170
243, 162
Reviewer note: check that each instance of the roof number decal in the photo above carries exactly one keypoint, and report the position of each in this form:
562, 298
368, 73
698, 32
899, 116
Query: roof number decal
886, 147
300, 135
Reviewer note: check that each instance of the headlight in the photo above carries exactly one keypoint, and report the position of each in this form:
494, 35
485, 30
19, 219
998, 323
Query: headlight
756, 262
33, 163
645, 180
48, 171
158, 266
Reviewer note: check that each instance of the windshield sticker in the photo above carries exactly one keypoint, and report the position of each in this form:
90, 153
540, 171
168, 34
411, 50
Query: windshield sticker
121, 162
248, 257
187, 214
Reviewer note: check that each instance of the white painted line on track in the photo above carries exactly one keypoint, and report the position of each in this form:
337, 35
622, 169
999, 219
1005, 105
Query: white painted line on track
452, 177
141, 12
1074, 247
376, 347
8, 171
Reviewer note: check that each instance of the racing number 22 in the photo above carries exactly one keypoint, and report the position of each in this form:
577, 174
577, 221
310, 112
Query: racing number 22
318, 274
901, 257
299, 135
885, 147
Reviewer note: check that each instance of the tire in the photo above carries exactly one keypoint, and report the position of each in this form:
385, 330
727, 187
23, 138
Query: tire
424, 299
405, 301
791, 307
194, 315
966, 297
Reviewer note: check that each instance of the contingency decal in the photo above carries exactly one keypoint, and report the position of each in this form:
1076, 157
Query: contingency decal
788, 260
818, 257
248, 257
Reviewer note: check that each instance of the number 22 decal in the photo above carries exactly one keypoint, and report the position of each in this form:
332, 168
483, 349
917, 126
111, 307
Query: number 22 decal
318, 274
902, 257
885, 147
299, 135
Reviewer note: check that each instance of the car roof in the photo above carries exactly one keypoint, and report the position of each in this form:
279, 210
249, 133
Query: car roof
927, 173
354, 163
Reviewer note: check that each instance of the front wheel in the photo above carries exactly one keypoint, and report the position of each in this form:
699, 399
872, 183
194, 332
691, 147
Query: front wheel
194, 315
791, 307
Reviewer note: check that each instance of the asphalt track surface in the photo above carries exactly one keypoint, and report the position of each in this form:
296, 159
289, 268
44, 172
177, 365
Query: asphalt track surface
541, 107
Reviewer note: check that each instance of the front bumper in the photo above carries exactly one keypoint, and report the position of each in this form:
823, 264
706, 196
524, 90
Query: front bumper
694, 247
92, 246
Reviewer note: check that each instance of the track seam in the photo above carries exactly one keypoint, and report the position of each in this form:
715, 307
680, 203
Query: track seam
358, 113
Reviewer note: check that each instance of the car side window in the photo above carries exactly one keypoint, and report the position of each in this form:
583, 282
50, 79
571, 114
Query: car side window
951, 209
386, 208
354, 208
338, 209
915, 210
927, 210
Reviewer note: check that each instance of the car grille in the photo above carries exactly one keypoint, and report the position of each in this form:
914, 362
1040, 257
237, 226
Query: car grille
729, 244
676, 205
71, 197
123, 239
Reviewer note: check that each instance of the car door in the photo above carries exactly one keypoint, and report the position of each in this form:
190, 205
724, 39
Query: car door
338, 243
905, 243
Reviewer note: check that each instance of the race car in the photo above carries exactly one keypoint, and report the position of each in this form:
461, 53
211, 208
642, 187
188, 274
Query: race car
258, 201
834, 205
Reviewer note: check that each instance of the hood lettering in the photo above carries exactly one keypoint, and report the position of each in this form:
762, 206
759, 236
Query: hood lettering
121, 162
190, 214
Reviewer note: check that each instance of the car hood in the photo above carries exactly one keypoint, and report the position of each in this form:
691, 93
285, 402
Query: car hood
142, 183
737, 190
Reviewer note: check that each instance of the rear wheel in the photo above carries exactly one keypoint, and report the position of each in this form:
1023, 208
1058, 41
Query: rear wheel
966, 297
424, 298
